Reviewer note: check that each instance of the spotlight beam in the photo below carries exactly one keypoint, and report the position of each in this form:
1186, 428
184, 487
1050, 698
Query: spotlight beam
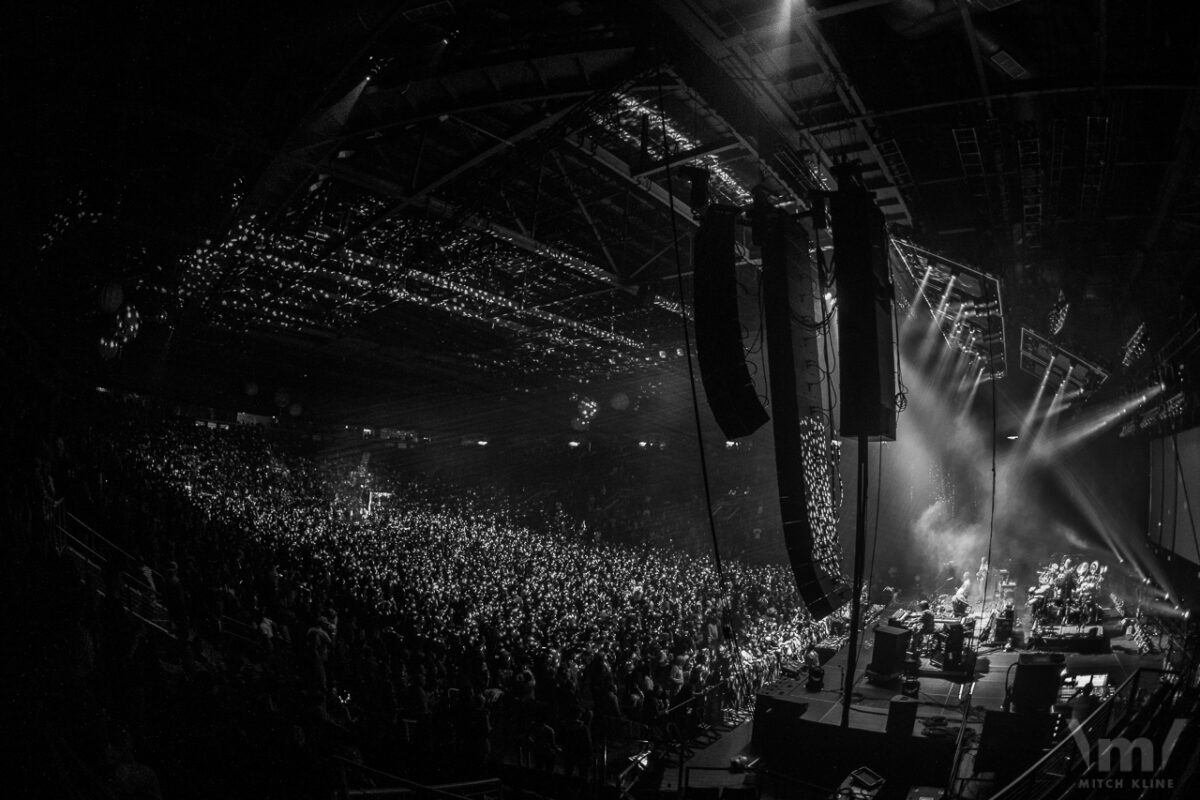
1103, 418
1058, 404
966, 407
1027, 423
920, 294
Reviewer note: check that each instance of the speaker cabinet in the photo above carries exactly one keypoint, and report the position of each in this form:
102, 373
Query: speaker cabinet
1035, 687
778, 705
902, 715
786, 294
1011, 743
864, 296
888, 654
727, 382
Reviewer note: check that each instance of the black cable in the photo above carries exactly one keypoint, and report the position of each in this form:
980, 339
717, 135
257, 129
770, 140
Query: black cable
958, 748
901, 389
1187, 503
860, 539
1162, 488
874, 534
827, 315
827, 371
878, 505
1174, 490
762, 354
687, 341
987, 576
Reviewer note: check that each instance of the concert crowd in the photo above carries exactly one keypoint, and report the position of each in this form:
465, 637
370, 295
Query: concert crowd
435, 637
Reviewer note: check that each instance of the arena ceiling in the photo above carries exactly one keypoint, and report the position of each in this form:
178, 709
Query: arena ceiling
392, 197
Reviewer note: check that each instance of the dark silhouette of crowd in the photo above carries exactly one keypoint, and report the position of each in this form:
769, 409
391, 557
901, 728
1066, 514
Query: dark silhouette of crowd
251, 620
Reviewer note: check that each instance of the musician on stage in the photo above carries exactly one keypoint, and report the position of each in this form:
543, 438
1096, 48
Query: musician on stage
918, 591
815, 679
981, 577
960, 601
812, 658
1088, 591
893, 580
888, 590
1041, 595
926, 629
1065, 583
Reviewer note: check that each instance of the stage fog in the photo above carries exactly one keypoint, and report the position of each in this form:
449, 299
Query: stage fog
1056, 478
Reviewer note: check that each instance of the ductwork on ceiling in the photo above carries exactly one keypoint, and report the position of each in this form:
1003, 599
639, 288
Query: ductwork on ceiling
998, 54
917, 19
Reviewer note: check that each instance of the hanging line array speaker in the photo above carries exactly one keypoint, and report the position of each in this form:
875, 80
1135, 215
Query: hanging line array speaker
789, 349
727, 383
864, 295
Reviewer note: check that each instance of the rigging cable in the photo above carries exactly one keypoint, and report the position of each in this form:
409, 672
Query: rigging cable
1187, 503
687, 341
874, 537
958, 749
827, 320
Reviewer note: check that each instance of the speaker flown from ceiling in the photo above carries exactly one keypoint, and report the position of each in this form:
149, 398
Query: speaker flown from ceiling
812, 546
727, 382
810, 538
864, 291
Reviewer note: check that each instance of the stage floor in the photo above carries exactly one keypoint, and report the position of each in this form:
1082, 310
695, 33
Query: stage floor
708, 768
942, 700
944, 696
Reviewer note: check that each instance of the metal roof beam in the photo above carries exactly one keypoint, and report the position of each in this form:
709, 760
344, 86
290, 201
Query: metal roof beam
616, 165
1169, 188
387, 187
526, 243
696, 48
584, 211
502, 143
870, 116
729, 143
508, 83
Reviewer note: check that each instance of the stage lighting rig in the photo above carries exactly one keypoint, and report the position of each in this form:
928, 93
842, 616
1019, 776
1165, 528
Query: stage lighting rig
1134, 347
964, 302
1174, 405
1166, 414
1038, 354
1058, 314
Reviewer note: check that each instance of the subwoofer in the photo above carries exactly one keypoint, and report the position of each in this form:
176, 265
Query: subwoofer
902, 715
889, 652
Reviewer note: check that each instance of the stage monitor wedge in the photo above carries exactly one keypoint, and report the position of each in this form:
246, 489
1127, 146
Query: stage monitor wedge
728, 386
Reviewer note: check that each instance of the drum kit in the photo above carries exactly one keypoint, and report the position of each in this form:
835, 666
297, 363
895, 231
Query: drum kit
1067, 593
1091, 580
1005, 588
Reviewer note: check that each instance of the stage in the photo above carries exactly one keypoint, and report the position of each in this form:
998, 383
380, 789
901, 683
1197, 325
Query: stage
797, 746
